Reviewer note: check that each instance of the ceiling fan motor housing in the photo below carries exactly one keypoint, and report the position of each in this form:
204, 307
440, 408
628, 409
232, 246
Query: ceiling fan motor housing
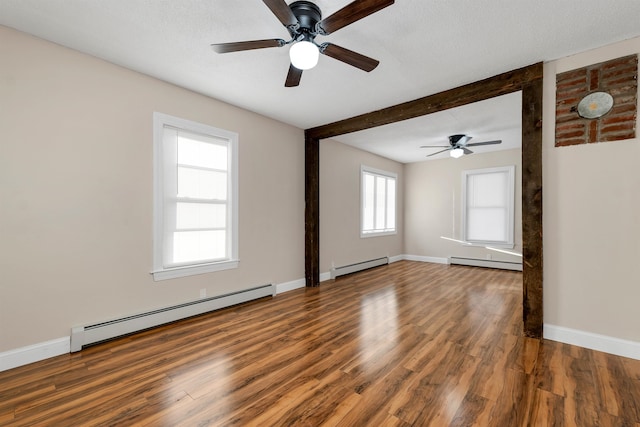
455, 139
308, 15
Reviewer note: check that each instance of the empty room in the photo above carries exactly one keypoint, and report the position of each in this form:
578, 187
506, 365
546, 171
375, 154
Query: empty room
348, 213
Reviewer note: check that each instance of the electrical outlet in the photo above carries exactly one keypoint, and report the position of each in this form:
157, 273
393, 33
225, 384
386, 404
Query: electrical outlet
203, 293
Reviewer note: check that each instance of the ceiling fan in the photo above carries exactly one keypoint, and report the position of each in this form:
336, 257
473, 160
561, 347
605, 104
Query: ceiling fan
458, 145
303, 20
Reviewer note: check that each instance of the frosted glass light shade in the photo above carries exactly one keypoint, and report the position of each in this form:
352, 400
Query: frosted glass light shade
304, 55
456, 153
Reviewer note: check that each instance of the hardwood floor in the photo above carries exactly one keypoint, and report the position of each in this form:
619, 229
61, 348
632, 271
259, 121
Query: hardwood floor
409, 344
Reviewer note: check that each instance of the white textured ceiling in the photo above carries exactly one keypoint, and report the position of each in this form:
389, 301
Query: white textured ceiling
489, 120
424, 47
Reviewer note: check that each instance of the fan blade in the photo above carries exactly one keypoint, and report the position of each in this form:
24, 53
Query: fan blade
282, 12
254, 44
293, 77
351, 13
435, 146
438, 152
475, 144
349, 57
466, 150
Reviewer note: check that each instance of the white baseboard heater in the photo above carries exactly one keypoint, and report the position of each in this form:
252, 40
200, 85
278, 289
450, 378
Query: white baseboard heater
91, 334
359, 266
489, 263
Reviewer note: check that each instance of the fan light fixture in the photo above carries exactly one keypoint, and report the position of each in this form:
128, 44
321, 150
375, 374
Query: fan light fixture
304, 55
456, 153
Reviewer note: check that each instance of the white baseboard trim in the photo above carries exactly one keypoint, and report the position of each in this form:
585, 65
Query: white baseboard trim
34, 353
299, 283
604, 343
396, 258
435, 260
289, 286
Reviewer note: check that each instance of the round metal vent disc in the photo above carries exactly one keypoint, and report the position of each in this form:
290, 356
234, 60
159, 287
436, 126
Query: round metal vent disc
595, 105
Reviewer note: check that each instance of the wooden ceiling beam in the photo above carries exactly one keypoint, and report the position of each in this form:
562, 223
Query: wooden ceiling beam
501, 84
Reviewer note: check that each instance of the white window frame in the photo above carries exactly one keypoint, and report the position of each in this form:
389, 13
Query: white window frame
165, 164
510, 201
364, 170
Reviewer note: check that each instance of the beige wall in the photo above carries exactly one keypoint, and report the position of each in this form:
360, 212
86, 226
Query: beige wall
340, 242
76, 192
591, 221
433, 205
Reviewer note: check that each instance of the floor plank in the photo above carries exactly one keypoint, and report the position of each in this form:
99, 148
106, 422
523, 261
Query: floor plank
409, 344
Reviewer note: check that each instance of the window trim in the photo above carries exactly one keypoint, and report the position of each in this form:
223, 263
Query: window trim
160, 272
510, 242
377, 172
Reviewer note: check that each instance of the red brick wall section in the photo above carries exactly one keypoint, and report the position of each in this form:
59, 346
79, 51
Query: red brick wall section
618, 77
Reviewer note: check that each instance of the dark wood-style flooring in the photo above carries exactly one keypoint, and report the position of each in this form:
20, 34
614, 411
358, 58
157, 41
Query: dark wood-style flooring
409, 344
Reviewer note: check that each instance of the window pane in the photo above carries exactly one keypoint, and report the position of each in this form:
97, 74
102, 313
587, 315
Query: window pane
378, 202
381, 199
487, 224
368, 208
391, 203
200, 215
488, 189
195, 199
488, 213
202, 184
193, 150
191, 246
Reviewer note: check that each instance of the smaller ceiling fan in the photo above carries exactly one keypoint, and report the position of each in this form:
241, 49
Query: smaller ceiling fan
304, 21
458, 145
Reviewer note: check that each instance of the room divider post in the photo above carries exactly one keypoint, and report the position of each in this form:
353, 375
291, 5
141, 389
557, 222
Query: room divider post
312, 211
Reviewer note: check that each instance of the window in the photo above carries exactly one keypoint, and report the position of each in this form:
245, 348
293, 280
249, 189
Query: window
488, 206
378, 200
195, 198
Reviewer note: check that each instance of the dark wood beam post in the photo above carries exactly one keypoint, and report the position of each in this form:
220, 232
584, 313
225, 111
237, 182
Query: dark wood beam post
312, 211
532, 312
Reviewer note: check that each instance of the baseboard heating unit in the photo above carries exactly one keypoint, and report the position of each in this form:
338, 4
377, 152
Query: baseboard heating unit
489, 263
359, 266
91, 334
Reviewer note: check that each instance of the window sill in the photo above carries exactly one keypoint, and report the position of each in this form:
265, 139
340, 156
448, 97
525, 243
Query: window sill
491, 244
377, 234
174, 273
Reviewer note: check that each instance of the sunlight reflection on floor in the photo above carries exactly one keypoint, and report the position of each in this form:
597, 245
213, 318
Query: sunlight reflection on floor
378, 324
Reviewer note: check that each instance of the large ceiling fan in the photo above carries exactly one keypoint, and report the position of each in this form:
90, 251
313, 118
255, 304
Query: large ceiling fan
458, 145
303, 20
